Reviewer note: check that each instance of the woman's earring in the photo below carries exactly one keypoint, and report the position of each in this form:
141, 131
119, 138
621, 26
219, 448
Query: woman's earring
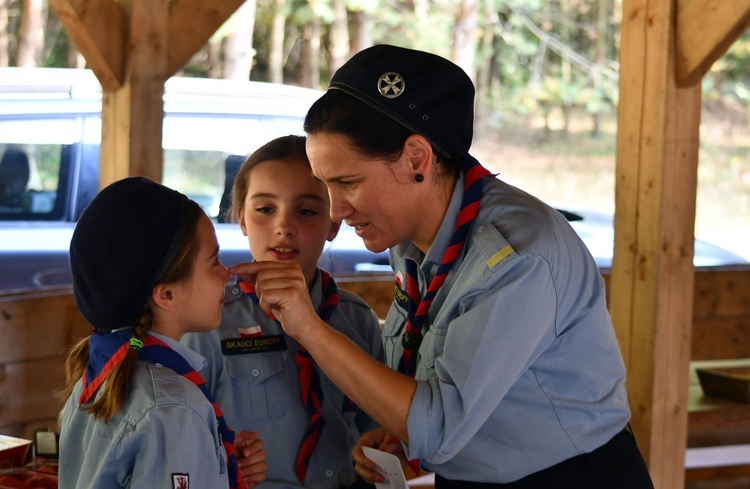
419, 178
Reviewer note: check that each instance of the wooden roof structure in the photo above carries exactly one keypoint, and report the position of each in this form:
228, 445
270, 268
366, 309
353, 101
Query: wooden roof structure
134, 46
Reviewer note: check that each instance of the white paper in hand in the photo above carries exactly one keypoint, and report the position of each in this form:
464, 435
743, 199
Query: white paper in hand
389, 466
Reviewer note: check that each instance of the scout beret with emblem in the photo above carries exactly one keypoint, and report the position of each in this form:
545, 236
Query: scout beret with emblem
423, 92
122, 245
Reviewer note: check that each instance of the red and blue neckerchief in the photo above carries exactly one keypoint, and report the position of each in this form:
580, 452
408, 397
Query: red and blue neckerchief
417, 307
312, 392
107, 349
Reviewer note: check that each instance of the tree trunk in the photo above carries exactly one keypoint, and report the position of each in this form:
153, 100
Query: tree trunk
31, 34
238, 46
361, 31
483, 104
214, 50
276, 43
75, 58
600, 56
309, 65
4, 34
464, 36
339, 35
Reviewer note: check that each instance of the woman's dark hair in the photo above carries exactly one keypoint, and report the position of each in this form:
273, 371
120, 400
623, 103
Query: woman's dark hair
285, 148
370, 131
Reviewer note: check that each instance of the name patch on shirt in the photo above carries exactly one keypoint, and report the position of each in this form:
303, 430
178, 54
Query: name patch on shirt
261, 344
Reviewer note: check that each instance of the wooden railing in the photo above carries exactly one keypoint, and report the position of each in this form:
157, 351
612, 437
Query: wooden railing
35, 332
37, 328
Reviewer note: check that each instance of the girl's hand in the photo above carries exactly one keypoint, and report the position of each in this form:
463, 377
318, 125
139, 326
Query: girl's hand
251, 457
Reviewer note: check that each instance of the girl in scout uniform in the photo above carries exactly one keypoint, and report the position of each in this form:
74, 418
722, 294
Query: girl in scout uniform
137, 412
505, 369
264, 380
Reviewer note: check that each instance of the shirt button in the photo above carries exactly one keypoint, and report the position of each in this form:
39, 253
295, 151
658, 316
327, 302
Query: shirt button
235, 290
159, 365
329, 473
255, 372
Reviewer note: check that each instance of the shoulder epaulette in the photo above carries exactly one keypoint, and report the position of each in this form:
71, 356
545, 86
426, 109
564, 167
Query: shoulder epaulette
492, 245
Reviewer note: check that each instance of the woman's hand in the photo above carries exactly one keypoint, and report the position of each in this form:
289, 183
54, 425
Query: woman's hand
282, 291
381, 440
363, 466
251, 457
385, 395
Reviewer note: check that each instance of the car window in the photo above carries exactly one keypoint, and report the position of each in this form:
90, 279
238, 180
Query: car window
196, 149
50, 135
34, 157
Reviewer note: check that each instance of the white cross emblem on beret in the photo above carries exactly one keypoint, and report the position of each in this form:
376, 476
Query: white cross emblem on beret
391, 85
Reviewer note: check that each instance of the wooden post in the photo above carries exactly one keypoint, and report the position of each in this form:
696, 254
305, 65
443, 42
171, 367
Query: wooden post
132, 115
132, 70
652, 272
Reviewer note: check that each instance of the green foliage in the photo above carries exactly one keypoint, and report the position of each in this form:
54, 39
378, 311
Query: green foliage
407, 24
543, 54
729, 76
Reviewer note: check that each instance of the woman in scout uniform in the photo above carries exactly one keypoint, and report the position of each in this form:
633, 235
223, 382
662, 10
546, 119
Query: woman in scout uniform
505, 367
264, 380
138, 414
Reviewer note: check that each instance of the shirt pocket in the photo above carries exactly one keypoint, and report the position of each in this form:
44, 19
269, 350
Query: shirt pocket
433, 343
395, 323
263, 380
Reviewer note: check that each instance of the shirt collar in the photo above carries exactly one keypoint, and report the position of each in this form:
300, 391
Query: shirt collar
196, 361
434, 255
316, 290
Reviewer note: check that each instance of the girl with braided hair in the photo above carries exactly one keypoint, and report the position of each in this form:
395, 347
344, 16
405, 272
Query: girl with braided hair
138, 414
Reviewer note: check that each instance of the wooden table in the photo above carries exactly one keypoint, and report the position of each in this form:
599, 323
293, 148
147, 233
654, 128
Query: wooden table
714, 412
722, 459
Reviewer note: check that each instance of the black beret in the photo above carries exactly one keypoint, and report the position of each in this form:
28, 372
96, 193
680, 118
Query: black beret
121, 247
425, 93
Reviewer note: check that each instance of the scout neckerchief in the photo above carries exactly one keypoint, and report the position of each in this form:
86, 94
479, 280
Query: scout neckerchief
312, 392
106, 350
417, 307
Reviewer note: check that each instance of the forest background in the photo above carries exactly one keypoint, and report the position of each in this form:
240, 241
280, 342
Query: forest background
546, 74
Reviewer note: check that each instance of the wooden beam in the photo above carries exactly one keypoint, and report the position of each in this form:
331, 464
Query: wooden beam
705, 30
652, 272
97, 27
132, 115
191, 25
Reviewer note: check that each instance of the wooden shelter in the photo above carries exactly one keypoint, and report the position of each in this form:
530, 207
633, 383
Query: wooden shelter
666, 47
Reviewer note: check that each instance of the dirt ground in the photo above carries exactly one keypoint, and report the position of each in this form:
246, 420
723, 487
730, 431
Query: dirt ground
577, 171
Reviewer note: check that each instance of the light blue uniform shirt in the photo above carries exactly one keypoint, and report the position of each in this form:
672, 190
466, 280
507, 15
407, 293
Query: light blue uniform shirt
260, 391
165, 429
520, 368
